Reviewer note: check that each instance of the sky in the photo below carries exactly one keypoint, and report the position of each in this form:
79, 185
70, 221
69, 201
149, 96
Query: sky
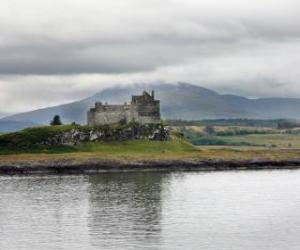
58, 51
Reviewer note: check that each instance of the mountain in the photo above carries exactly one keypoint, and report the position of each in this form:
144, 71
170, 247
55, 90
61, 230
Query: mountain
178, 101
10, 126
3, 115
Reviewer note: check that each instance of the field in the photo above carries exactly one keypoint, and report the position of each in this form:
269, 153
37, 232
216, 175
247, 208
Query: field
266, 140
241, 136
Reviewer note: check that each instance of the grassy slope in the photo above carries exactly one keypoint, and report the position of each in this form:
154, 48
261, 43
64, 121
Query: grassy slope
144, 150
24, 141
134, 151
23, 147
127, 150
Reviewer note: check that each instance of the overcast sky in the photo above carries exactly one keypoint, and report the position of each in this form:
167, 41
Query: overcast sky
56, 51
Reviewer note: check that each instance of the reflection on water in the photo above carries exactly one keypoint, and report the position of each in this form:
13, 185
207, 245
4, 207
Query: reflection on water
219, 210
125, 210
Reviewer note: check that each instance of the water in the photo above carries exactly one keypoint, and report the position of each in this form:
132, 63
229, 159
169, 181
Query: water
217, 211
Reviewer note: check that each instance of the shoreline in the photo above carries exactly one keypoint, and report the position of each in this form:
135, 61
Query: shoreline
110, 166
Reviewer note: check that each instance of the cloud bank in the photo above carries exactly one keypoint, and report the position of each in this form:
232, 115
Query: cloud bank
61, 50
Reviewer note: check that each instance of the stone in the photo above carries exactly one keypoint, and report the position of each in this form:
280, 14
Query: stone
144, 109
75, 136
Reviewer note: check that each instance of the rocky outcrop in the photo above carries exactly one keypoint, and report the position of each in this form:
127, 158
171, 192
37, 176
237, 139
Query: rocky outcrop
77, 135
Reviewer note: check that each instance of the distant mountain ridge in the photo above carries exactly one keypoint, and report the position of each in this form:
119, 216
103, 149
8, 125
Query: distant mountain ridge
3, 115
178, 101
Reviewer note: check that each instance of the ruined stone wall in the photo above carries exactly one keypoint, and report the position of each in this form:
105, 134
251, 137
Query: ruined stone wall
143, 109
112, 116
149, 109
107, 114
147, 120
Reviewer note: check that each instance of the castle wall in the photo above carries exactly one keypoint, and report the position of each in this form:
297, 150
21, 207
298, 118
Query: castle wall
146, 113
143, 109
149, 109
147, 119
110, 117
107, 114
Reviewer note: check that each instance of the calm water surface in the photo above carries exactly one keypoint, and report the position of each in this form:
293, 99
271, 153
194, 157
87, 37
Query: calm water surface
255, 210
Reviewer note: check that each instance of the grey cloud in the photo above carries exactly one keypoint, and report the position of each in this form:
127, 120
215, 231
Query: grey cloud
100, 58
102, 37
68, 49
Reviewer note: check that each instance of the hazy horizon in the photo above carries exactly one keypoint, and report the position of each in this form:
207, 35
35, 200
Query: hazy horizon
165, 92
147, 88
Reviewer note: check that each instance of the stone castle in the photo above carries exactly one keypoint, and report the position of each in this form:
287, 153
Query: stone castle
143, 109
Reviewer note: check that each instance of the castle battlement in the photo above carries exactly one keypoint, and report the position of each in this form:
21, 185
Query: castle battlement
143, 109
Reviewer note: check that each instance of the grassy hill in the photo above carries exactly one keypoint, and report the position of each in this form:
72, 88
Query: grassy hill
30, 141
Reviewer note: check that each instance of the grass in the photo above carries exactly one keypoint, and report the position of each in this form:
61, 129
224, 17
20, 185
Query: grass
143, 150
255, 137
135, 150
269, 140
113, 148
36, 140
27, 140
154, 152
137, 147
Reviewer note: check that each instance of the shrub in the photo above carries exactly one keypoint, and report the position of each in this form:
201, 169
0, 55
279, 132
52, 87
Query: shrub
56, 121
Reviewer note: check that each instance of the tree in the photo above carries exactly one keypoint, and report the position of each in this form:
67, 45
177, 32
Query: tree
56, 121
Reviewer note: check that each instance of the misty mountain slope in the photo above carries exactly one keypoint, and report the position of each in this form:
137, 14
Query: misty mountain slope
10, 126
270, 108
178, 101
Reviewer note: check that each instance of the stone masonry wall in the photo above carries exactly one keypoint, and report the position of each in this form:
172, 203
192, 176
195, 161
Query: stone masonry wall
143, 109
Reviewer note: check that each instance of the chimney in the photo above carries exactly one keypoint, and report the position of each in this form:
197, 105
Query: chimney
152, 94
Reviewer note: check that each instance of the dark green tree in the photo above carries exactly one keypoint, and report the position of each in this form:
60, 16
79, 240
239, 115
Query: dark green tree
56, 121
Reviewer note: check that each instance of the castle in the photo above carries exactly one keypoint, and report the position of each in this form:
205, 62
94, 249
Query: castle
143, 109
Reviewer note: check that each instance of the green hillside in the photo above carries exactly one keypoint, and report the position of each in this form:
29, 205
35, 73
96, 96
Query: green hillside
32, 140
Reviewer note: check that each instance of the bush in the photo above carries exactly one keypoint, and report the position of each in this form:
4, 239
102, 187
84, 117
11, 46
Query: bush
56, 121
